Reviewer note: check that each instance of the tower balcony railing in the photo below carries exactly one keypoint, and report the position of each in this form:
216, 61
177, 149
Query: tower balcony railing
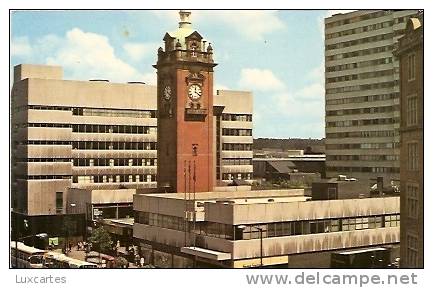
186, 55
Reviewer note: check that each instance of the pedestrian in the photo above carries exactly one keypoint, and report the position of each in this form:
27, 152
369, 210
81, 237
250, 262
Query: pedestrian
141, 262
70, 246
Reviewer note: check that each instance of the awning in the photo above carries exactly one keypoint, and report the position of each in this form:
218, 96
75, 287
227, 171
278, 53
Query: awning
206, 253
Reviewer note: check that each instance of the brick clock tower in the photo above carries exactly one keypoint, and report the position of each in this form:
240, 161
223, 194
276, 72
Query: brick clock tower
185, 107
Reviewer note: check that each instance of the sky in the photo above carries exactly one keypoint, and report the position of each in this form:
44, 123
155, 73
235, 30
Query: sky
277, 55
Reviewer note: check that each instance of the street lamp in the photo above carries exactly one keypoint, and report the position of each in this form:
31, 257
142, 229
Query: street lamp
18, 239
242, 227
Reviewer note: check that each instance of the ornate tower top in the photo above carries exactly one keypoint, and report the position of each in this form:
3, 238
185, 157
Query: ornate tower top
185, 21
185, 44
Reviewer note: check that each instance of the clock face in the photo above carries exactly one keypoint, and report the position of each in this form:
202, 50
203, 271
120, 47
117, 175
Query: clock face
194, 92
167, 92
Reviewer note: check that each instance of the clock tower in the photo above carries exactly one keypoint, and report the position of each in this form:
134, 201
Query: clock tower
185, 111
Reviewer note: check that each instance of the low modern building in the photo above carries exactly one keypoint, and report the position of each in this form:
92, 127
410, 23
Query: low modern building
273, 166
278, 228
410, 52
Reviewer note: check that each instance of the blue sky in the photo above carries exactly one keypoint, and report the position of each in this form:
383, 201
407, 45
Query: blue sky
278, 55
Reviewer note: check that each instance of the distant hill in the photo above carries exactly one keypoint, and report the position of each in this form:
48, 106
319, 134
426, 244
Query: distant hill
317, 145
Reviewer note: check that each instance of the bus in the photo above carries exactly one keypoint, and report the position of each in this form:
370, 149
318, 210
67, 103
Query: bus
23, 256
362, 258
59, 260
75, 263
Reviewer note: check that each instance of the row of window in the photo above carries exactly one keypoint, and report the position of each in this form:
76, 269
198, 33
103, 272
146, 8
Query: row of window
45, 177
96, 145
346, 169
361, 29
360, 41
237, 147
237, 117
41, 107
46, 125
105, 145
126, 129
81, 111
363, 87
364, 134
359, 18
44, 142
268, 230
237, 161
363, 99
114, 112
364, 122
369, 110
361, 64
363, 146
115, 162
360, 76
363, 157
44, 160
358, 53
307, 227
113, 178
239, 176
237, 132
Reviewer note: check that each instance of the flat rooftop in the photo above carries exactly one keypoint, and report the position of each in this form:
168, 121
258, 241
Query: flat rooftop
238, 197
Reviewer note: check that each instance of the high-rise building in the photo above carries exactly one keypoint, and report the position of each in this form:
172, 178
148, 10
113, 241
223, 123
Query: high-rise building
410, 52
362, 93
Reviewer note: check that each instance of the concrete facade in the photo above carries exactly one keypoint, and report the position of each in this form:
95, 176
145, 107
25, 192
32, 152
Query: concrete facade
410, 52
91, 135
226, 224
362, 93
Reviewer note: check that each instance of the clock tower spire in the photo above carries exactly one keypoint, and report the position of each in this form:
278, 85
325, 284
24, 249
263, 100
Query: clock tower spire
185, 110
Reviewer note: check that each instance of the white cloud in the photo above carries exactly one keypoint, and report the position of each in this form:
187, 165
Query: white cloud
260, 79
313, 92
254, 25
318, 72
87, 55
251, 24
300, 112
138, 51
20, 46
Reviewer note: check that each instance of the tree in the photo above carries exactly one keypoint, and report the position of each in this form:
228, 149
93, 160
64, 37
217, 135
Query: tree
68, 229
120, 262
101, 240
